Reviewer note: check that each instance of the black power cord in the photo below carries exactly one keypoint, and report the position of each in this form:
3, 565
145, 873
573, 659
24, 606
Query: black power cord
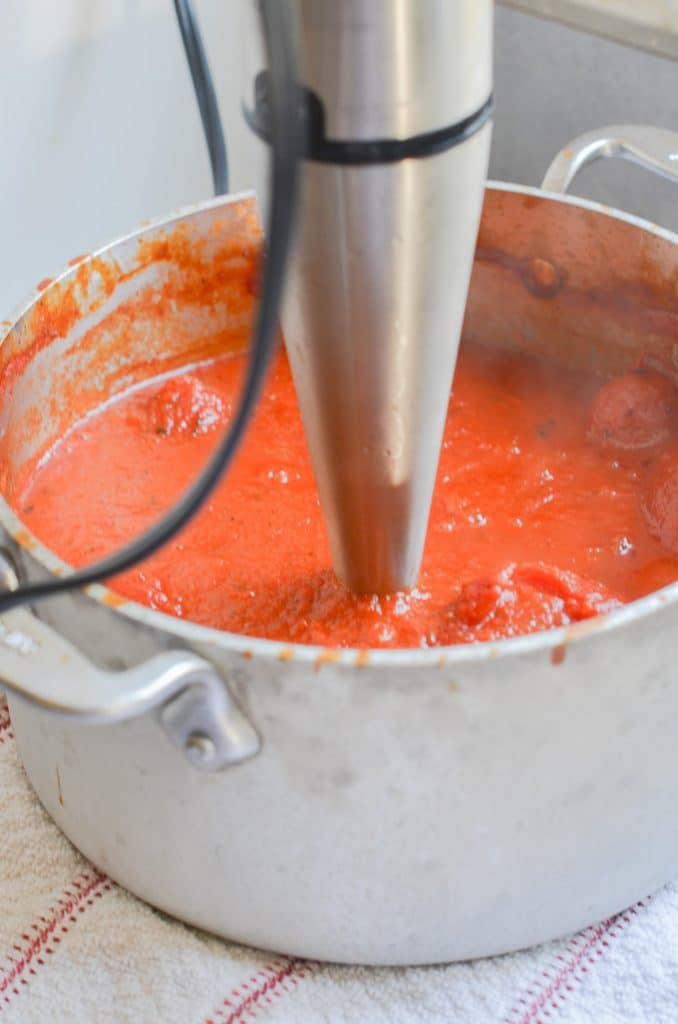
204, 94
286, 138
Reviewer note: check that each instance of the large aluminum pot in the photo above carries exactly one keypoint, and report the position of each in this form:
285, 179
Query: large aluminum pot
384, 807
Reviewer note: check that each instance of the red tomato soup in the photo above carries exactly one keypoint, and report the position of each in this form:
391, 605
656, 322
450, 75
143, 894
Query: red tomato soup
556, 499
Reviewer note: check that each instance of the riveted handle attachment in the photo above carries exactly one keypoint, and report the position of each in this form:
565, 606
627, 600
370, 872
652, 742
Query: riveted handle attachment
195, 706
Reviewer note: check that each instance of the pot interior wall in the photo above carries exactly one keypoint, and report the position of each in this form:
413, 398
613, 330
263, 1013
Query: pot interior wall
148, 305
582, 288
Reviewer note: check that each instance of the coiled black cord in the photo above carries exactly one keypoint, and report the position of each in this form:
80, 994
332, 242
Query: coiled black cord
286, 137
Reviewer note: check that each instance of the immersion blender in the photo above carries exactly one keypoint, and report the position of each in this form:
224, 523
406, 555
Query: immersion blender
396, 96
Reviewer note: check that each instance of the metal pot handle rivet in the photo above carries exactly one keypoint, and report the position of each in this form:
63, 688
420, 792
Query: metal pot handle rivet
656, 149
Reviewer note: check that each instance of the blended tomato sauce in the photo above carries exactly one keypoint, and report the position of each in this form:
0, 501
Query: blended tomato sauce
556, 499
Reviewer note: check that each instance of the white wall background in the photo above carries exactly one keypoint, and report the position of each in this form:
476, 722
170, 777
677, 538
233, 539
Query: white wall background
99, 129
99, 125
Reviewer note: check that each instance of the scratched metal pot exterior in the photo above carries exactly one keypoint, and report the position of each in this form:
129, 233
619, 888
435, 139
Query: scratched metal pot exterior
402, 806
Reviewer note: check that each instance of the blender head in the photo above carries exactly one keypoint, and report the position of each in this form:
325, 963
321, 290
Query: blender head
396, 96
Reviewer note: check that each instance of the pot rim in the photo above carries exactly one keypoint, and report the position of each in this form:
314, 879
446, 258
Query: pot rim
274, 650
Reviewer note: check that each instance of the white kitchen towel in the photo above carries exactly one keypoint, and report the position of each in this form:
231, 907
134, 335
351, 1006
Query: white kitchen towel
74, 947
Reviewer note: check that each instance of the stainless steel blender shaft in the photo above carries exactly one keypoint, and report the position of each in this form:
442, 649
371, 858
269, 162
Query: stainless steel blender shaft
398, 94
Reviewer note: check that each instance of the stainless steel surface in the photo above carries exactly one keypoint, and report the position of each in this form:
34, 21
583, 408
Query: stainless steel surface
381, 267
656, 149
372, 319
395, 68
379, 822
9, 579
202, 719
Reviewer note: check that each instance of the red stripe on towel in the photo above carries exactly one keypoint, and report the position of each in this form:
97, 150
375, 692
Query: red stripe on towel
5, 723
245, 1000
555, 984
46, 931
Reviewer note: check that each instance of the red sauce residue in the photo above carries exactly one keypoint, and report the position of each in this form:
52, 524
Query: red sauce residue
232, 270
45, 283
24, 539
558, 654
326, 658
53, 316
552, 504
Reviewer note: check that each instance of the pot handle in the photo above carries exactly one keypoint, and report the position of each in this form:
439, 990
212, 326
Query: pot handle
653, 148
194, 704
